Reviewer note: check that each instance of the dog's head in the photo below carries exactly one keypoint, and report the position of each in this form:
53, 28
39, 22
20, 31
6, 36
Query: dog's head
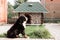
22, 20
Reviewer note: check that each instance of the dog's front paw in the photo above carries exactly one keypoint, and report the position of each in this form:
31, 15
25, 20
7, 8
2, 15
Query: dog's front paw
25, 36
17, 36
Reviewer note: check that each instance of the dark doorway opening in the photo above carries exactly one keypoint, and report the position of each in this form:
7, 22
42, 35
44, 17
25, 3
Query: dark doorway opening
29, 18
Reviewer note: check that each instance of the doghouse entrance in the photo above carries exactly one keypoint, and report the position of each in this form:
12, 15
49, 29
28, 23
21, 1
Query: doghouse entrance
29, 18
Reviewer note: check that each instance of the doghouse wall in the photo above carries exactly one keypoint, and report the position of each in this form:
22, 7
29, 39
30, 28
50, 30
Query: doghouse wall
35, 17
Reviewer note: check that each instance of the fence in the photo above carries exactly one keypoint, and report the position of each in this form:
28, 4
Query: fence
52, 20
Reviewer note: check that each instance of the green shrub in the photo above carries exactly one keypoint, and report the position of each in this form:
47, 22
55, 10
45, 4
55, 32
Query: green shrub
40, 34
10, 15
3, 35
37, 32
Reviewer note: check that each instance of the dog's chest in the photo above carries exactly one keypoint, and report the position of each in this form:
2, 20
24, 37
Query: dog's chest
24, 24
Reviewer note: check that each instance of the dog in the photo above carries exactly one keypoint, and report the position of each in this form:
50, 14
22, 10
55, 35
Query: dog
17, 28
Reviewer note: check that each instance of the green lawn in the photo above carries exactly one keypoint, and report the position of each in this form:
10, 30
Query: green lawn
35, 32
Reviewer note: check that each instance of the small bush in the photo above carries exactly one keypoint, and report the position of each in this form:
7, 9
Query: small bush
37, 32
3, 35
40, 34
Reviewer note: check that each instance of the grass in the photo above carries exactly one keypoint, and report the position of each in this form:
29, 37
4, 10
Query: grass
3, 35
37, 32
34, 31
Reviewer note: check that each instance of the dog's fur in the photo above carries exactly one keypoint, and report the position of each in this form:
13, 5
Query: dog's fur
17, 28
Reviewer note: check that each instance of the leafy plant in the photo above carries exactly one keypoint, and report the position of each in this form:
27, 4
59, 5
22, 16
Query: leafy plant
3, 35
37, 32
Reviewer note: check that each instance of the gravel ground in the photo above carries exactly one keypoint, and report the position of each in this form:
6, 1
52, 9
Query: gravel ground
54, 29
4, 28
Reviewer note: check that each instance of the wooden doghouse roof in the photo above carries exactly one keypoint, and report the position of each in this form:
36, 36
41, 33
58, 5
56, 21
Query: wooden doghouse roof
34, 7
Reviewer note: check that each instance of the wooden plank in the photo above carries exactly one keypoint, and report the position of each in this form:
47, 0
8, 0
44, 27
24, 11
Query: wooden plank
42, 18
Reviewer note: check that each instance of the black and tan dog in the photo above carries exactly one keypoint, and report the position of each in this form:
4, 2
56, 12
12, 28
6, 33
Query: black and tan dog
17, 28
